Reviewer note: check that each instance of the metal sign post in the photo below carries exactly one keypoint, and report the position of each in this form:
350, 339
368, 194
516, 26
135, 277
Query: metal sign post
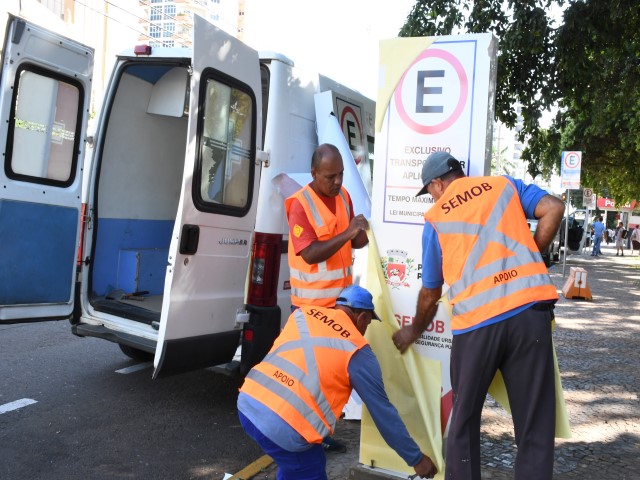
583, 240
566, 233
570, 178
589, 202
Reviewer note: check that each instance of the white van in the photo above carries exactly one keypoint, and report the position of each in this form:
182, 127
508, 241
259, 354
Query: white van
179, 252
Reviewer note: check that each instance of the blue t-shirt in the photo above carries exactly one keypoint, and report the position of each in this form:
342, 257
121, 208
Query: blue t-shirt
432, 276
365, 376
598, 229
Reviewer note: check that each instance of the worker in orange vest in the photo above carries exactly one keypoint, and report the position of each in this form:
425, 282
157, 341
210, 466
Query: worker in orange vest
476, 240
322, 232
292, 399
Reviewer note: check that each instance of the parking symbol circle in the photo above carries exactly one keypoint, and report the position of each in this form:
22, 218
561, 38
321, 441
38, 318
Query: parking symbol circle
348, 114
406, 93
572, 160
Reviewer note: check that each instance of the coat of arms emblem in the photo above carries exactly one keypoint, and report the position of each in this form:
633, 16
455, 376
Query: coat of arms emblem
397, 268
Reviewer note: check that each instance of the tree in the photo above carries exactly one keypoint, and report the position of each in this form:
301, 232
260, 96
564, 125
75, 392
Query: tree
500, 163
589, 66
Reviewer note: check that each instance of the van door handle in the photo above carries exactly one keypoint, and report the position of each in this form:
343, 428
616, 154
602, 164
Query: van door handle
189, 239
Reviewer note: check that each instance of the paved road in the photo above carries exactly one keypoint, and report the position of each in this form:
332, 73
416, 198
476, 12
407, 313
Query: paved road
90, 422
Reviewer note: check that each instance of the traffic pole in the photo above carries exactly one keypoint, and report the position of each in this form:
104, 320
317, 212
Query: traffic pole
566, 234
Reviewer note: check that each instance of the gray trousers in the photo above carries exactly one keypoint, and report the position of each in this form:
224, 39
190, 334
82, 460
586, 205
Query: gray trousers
521, 348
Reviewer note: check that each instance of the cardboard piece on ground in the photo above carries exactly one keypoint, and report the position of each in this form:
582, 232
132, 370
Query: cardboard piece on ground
576, 285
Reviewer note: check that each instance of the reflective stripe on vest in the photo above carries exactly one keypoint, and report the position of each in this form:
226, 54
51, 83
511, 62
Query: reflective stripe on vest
311, 294
320, 276
310, 380
467, 294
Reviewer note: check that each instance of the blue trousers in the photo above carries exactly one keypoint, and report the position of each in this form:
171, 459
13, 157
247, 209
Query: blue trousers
597, 240
521, 348
310, 464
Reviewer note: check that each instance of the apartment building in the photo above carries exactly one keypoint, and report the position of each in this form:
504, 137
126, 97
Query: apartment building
110, 26
168, 23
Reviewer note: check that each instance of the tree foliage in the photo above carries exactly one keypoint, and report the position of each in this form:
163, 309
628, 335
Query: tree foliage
588, 66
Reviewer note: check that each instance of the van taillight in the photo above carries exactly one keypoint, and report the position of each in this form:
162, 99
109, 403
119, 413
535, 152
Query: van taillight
248, 335
265, 267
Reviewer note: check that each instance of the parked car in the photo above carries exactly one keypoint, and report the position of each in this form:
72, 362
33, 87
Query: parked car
577, 221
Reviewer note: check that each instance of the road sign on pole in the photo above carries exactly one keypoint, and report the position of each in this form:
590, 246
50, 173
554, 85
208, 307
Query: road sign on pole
588, 199
570, 170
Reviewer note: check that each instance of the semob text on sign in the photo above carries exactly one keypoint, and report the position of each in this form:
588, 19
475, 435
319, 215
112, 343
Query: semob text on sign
437, 94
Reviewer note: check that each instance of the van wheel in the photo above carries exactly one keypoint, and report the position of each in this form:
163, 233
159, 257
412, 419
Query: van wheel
136, 353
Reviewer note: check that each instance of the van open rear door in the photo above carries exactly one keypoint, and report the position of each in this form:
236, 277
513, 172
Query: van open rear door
211, 243
45, 90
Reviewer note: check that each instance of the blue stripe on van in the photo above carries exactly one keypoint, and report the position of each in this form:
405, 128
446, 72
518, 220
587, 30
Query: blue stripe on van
116, 237
37, 252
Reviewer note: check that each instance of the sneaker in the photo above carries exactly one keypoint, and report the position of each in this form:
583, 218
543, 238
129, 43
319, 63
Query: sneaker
331, 445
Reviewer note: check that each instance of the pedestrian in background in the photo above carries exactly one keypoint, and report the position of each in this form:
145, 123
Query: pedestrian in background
476, 240
635, 239
292, 399
620, 236
323, 231
598, 231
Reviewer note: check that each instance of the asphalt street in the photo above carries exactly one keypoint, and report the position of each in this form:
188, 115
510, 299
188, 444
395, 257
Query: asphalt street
96, 414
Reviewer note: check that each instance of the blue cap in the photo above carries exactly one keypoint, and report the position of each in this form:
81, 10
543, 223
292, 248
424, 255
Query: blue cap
355, 296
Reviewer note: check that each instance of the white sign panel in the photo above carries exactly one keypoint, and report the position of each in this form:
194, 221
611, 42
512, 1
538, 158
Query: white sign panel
432, 109
439, 97
436, 94
570, 170
588, 199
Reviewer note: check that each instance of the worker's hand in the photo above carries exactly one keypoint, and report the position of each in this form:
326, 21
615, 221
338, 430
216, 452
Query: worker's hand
358, 224
426, 468
404, 338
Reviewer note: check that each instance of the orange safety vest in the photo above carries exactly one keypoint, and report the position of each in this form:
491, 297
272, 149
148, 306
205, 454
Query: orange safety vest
321, 283
304, 378
489, 257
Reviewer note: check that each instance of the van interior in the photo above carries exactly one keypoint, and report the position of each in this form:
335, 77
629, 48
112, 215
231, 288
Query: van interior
140, 162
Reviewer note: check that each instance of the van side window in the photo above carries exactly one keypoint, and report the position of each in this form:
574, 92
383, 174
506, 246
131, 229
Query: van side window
44, 127
226, 148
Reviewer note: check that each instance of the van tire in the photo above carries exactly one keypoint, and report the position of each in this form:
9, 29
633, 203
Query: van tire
136, 353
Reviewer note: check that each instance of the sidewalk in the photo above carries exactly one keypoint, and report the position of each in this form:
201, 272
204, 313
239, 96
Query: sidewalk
598, 349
